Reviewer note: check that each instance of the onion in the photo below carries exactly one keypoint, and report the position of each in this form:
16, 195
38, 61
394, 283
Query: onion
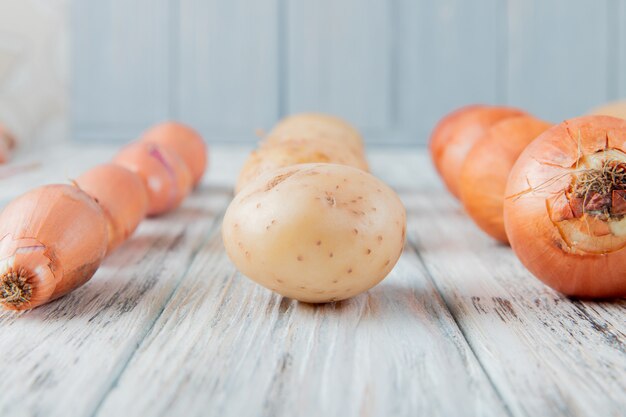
294, 152
486, 169
52, 240
455, 135
316, 126
122, 196
565, 205
615, 109
164, 173
183, 140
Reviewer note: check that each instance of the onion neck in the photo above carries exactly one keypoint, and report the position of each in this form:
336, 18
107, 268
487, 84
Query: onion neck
15, 290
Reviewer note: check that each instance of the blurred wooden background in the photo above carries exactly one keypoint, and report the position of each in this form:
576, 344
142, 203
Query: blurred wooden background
393, 68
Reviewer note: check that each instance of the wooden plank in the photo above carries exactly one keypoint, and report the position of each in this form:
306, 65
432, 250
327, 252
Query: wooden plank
545, 354
228, 71
555, 69
120, 65
224, 346
338, 60
62, 358
448, 56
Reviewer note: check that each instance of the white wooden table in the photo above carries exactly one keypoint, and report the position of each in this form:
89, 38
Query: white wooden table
167, 327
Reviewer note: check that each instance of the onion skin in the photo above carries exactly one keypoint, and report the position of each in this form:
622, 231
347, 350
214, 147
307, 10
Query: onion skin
283, 154
52, 240
166, 177
487, 167
615, 109
455, 135
316, 126
546, 164
122, 196
183, 140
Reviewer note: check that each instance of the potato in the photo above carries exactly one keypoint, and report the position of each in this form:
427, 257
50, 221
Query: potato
316, 126
315, 232
294, 152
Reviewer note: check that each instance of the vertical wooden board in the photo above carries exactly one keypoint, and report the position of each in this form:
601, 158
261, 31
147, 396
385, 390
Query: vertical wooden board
546, 355
228, 71
120, 67
558, 56
447, 57
338, 60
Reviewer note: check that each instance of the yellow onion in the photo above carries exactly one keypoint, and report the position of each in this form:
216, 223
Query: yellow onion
294, 152
52, 240
122, 196
183, 140
166, 177
486, 169
565, 207
316, 126
455, 134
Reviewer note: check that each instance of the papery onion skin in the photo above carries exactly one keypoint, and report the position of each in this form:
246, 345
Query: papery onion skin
165, 175
546, 165
615, 109
54, 237
487, 167
283, 154
122, 196
316, 126
7, 144
455, 135
185, 141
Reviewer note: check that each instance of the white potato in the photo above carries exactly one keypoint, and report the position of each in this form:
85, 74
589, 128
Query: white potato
316, 126
315, 232
300, 151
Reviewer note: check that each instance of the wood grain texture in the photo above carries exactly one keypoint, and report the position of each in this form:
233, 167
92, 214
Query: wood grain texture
227, 67
62, 358
557, 70
447, 56
545, 354
337, 56
169, 327
121, 67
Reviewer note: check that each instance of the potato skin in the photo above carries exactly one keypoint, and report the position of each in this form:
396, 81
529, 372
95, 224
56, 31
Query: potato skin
297, 151
315, 232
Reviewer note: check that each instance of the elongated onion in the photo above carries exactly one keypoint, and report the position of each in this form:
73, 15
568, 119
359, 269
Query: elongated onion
615, 109
122, 196
52, 240
294, 152
316, 126
455, 135
487, 166
185, 141
565, 207
164, 173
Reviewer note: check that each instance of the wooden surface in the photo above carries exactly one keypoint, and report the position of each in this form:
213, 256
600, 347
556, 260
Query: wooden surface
167, 327
393, 68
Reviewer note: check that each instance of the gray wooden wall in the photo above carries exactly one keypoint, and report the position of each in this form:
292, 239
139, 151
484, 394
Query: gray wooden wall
392, 67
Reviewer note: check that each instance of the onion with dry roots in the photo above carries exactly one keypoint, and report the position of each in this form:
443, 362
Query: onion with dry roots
294, 152
486, 170
122, 196
565, 210
316, 126
183, 140
615, 109
455, 134
165, 175
315, 232
52, 240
